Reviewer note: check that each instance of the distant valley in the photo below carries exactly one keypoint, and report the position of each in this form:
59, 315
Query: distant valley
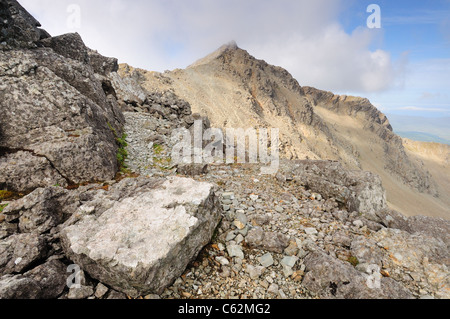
422, 129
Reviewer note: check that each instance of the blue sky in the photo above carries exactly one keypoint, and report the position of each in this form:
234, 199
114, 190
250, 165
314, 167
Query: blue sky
417, 35
403, 68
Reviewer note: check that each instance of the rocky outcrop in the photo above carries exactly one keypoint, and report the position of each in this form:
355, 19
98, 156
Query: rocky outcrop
58, 125
333, 278
19, 29
18, 252
348, 105
356, 190
137, 236
46, 281
411, 257
395, 158
144, 242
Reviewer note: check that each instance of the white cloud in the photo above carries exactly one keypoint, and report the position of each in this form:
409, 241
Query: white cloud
333, 60
302, 36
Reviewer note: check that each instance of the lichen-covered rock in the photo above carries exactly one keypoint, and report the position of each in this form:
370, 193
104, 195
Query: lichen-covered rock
24, 170
55, 111
68, 45
59, 119
424, 258
359, 191
424, 225
19, 251
329, 277
40, 211
127, 89
46, 281
145, 241
18, 27
257, 238
51, 277
18, 287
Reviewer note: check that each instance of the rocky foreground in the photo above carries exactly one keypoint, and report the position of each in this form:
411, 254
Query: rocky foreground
92, 206
314, 230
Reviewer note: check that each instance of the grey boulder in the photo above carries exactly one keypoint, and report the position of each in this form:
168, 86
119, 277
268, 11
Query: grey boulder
144, 241
330, 277
359, 191
46, 281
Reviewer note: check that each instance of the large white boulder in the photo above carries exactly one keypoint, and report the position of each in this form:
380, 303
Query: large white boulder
145, 241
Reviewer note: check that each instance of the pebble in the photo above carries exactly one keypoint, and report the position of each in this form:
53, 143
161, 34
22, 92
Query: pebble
239, 239
100, 291
358, 223
266, 260
273, 289
230, 236
279, 209
222, 260
254, 271
228, 195
82, 292
239, 225
240, 215
289, 261
310, 231
235, 251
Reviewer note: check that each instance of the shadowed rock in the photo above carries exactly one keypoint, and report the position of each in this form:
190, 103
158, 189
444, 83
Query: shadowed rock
58, 126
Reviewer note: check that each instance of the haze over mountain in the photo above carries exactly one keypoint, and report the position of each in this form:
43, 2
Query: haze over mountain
236, 90
427, 129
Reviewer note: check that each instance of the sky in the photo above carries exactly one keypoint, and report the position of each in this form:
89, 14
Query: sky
397, 55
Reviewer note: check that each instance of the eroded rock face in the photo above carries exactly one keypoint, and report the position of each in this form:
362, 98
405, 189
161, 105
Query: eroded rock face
46, 281
20, 251
66, 125
145, 240
333, 278
40, 211
18, 27
59, 123
358, 190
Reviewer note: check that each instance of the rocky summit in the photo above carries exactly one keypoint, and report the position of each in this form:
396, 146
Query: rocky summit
93, 206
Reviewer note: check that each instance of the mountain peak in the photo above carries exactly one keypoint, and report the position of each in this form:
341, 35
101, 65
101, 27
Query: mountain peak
230, 46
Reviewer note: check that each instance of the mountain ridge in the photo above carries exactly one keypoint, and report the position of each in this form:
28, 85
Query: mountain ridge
234, 89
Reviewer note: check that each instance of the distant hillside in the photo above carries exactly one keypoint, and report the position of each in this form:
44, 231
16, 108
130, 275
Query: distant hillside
423, 137
437, 128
